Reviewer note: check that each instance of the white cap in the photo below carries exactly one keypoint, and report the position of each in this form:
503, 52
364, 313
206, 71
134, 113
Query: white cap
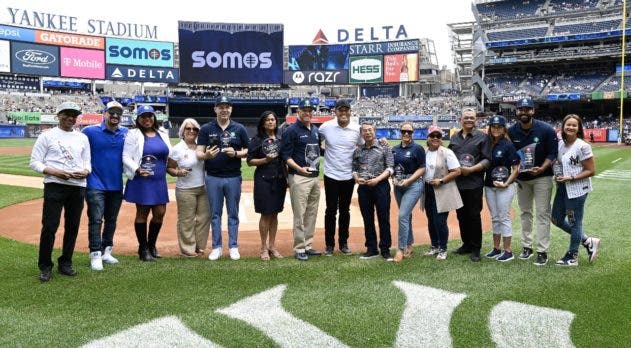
69, 106
113, 105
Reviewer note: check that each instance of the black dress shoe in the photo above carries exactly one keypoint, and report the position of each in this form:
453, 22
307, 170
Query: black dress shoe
145, 255
475, 256
313, 252
154, 252
45, 275
67, 270
463, 250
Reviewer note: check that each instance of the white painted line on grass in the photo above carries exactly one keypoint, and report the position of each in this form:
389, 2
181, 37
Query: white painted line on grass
514, 324
265, 312
162, 332
426, 317
616, 160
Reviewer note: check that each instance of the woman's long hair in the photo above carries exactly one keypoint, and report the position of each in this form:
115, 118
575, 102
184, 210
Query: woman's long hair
579, 134
260, 128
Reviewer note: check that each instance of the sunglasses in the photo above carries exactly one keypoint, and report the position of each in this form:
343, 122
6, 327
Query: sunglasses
115, 113
405, 131
191, 129
435, 136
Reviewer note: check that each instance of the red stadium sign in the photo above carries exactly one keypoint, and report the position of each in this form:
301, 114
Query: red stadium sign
88, 119
314, 119
600, 134
69, 40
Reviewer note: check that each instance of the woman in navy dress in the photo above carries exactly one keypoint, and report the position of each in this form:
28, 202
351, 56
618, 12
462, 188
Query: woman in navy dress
145, 156
270, 183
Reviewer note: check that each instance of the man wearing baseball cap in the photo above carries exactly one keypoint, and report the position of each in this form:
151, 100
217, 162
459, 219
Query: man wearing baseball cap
63, 156
222, 143
534, 183
104, 193
341, 137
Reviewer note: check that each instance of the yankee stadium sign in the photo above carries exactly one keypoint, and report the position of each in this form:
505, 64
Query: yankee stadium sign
58, 22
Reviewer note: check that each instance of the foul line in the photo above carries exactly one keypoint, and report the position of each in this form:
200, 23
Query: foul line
616, 160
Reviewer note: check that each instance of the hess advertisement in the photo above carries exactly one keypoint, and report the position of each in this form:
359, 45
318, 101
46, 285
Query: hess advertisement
400, 67
368, 69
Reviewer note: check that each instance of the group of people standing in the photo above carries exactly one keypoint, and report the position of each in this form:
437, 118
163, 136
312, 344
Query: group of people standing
525, 158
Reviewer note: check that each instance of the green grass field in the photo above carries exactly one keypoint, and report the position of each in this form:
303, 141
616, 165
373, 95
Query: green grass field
349, 299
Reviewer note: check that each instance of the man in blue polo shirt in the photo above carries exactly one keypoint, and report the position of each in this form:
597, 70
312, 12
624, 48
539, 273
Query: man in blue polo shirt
104, 193
222, 143
537, 145
300, 148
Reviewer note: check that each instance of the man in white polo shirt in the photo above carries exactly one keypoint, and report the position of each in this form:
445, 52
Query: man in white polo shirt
341, 137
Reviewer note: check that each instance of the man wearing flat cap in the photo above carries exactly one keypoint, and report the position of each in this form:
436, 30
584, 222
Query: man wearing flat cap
63, 155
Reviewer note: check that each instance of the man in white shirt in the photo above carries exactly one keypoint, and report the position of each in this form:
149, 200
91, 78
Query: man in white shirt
341, 137
63, 156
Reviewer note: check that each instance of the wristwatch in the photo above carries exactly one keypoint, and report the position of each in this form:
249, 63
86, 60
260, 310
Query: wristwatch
441, 181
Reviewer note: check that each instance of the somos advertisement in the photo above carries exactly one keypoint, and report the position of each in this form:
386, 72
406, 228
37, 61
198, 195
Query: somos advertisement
400, 67
231, 53
136, 52
367, 69
34, 59
77, 62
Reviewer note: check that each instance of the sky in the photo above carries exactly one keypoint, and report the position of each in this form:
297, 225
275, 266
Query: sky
302, 19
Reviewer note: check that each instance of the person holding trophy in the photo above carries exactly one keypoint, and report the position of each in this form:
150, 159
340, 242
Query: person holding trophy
573, 178
536, 143
300, 149
499, 189
372, 165
409, 167
270, 182
145, 154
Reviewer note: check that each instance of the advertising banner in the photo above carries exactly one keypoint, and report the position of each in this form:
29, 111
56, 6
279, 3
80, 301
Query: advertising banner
318, 58
5, 56
69, 40
33, 59
368, 69
391, 91
314, 119
17, 34
231, 52
141, 73
88, 119
339, 77
11, 131
595, 134
19, 83
404, 46
24, 117
77, 62
612, 135
400, 67
48, 119
137, 52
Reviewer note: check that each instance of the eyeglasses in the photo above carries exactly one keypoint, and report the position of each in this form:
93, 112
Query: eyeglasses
435, 136
406, 131
115, 113
191, 129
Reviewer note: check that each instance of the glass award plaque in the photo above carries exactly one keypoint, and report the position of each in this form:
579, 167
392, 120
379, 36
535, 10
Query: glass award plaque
213, 140
364, 171
528, 157
500, 174
399, 174
312, 157
557, 169
224, 139
147, 165
467, 160
270, 147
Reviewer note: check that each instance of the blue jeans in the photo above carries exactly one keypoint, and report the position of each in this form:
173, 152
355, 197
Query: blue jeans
406, 198
436, 222
567, 214
103, 206
218, 189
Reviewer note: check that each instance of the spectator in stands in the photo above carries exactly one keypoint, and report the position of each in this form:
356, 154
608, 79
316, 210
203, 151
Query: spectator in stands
63, 156
409, 167
193, 212
537, 143
104, 193
145, 156
300, 147
499, 189
270, 181
223, 173
573, 184
341, 137
372, 165
441, 192
472, 147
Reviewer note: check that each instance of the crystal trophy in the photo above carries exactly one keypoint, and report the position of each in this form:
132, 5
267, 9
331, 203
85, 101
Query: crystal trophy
467, 160
225, 138
147, 164
399, 174
213, 141
527, 153
500, 174
557, 169
364, 171
270, 147
312, 157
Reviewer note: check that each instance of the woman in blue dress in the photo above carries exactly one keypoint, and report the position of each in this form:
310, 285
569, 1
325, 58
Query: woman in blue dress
145, 156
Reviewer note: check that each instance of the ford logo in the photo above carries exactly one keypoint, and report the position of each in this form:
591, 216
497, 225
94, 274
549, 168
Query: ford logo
35, 57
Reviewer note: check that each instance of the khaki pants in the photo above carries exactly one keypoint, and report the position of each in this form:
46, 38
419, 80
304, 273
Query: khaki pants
305, 196
193, 219
539, 190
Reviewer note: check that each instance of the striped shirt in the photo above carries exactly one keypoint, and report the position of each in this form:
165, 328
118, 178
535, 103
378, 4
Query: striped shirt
571, 158
370, 161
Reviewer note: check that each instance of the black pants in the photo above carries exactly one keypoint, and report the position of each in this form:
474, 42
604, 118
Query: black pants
469, 218
58, 197
338, 196
370, 198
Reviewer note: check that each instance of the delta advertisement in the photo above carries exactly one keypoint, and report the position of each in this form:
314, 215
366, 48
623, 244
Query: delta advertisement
368, 69
138, 52
231, 52
400, 68
142, 73
78, 62
34, 59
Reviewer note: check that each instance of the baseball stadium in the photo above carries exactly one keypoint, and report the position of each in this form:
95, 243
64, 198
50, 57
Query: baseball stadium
552, 58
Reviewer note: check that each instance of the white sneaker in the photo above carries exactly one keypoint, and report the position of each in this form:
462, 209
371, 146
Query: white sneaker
234, 253
215, 254
107, 256
96, 262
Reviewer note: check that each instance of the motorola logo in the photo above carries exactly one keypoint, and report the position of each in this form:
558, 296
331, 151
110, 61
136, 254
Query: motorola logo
298, 77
